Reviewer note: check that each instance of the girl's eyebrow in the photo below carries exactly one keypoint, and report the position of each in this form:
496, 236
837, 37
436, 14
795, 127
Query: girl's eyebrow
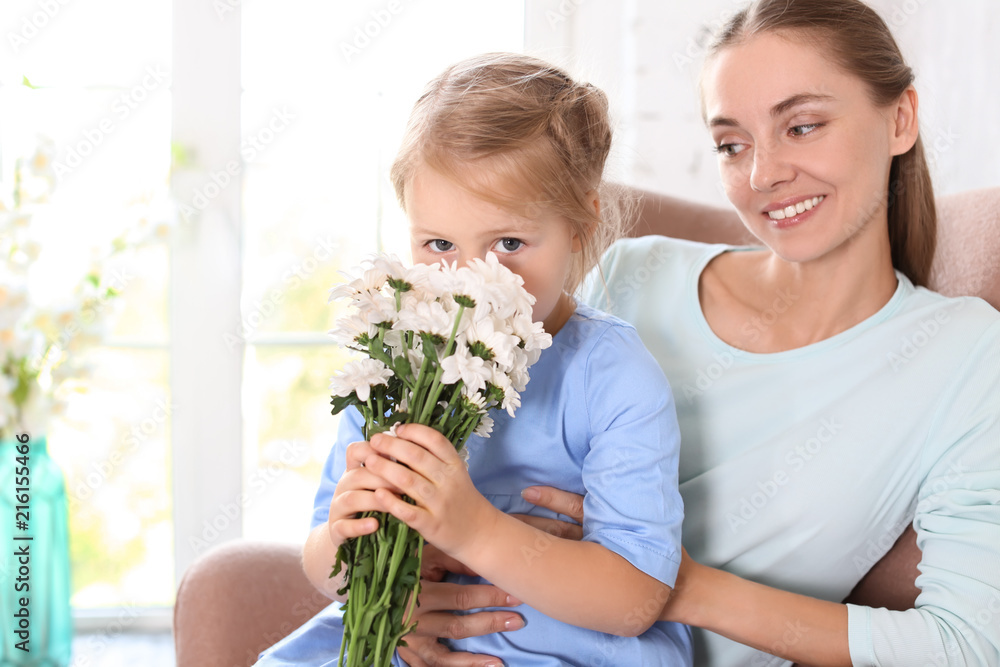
777, 110
519, 226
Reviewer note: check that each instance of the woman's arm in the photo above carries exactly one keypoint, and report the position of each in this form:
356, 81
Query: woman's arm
791, 626
544, 571
664, 215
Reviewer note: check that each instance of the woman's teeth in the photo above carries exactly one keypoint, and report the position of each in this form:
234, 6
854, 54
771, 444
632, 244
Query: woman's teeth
791, 211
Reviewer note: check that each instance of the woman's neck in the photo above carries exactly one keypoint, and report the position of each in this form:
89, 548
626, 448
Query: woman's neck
759, 302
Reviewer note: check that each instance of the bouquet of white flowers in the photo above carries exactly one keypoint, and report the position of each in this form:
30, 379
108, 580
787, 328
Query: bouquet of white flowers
443, 346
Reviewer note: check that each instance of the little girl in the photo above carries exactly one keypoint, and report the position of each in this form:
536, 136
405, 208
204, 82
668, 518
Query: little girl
505, 154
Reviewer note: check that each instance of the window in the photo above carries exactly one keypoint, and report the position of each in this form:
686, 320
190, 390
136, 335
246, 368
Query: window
263, 131
99, 121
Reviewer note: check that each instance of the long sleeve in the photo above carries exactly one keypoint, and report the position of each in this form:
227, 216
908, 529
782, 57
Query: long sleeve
957, 616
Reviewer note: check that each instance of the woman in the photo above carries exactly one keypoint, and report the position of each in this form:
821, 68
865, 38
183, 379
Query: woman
825, 399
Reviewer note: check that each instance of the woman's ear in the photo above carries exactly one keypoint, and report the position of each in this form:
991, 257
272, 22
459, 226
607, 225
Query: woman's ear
905, 122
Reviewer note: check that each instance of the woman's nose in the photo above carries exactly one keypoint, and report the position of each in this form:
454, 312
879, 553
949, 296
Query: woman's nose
770, 169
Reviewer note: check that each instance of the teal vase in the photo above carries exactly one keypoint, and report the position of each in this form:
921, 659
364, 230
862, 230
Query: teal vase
36, 622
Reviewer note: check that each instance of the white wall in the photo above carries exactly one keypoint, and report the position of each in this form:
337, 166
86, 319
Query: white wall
645, 54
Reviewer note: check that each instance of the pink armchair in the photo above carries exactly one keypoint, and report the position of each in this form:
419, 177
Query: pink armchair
243, 596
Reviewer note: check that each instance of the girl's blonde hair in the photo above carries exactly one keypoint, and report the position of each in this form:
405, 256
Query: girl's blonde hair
856, 38
520, 133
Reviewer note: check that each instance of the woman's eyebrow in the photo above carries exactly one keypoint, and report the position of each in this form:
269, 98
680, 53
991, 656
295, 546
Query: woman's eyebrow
777, 110
797, 100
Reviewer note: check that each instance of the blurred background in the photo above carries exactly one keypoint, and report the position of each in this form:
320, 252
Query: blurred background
233, 156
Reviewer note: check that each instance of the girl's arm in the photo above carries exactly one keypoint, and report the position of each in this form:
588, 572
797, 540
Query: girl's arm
547, 572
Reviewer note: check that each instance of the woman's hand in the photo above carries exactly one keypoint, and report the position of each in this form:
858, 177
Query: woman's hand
560, 502
436, 618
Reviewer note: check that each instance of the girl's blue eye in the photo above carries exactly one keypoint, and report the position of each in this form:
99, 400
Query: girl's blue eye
509, 245
440, 245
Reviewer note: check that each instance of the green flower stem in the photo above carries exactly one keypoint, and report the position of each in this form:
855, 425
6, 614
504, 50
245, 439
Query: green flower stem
383, 568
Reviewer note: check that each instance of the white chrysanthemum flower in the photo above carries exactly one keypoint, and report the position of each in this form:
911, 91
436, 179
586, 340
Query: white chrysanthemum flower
534, 337
485, 427
500, 343
472, 371
391, 266
502, 288
425, 317
421, 277
350, 328
511, 398
359, 377
371, 280
518, 373
394, 339
376, 307
416, 357
475, 400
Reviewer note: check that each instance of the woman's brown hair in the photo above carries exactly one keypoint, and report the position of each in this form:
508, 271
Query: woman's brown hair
521, 133
860, 43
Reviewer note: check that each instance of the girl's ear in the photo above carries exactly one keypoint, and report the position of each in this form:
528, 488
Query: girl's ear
594, 200
905, 125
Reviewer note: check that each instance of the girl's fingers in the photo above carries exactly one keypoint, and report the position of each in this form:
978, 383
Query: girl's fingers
357, 452
431, 440
348, 528
349, 503
399, 478
412, 515
363, 479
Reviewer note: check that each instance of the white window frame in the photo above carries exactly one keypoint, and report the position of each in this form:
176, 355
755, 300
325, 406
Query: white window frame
205, 286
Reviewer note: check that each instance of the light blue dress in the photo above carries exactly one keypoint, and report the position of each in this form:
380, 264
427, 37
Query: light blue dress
800, 469
597, 418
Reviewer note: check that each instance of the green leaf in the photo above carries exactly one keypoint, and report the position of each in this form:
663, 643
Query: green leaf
25, 82
341, 403
429, 346
401, 367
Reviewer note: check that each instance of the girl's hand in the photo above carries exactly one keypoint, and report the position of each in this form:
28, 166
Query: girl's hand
354, 494
422, 464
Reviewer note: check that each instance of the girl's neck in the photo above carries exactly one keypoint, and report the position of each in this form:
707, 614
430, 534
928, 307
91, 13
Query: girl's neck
563, 310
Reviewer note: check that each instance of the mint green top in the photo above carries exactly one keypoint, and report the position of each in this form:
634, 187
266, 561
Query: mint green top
799, 469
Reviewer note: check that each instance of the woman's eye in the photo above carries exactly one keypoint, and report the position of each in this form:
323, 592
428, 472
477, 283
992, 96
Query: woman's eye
508, 245
802, 130
440, 245
730, 150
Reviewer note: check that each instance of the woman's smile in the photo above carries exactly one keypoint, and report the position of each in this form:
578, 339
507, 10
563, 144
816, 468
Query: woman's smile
791, 212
